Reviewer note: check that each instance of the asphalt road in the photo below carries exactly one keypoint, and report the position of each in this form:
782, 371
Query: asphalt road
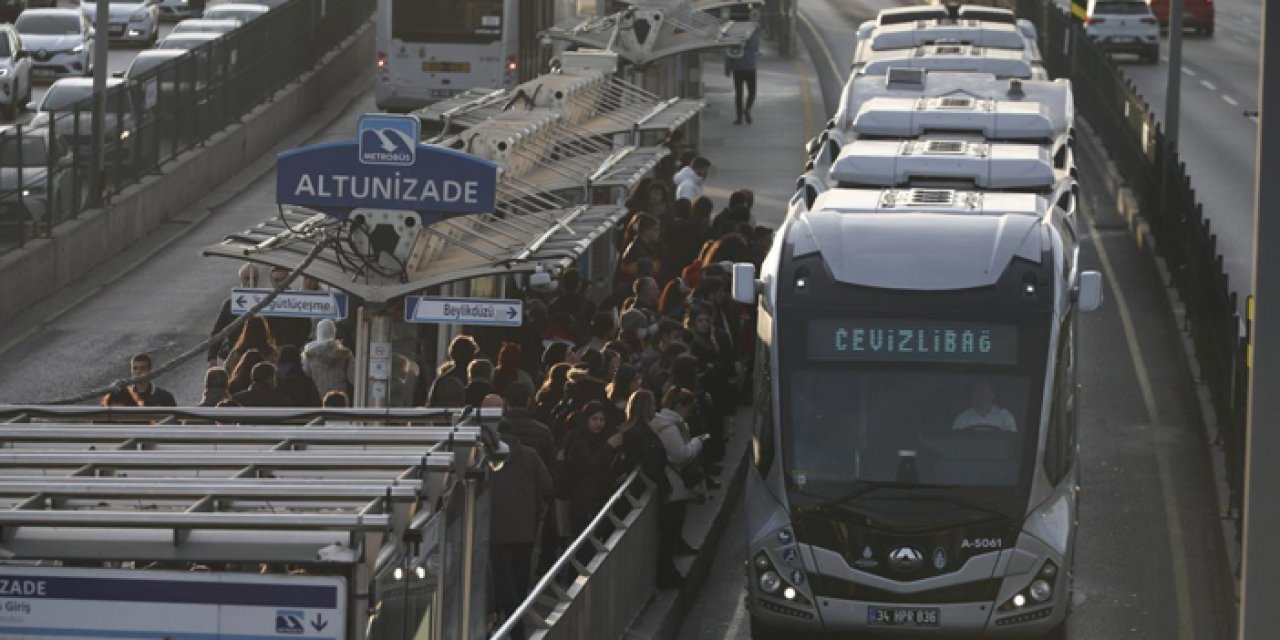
1151, 563
1217, 142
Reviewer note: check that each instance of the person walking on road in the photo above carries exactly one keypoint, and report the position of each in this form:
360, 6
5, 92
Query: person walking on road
741, 64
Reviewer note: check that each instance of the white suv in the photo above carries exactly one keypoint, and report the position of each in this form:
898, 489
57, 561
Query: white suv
1124, 26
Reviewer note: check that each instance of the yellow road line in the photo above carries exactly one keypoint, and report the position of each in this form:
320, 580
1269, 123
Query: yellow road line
1173, 518
822, 44
806, 99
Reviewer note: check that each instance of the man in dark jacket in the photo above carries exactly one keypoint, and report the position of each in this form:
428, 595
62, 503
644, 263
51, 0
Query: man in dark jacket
292, 381
519, 492
479, 381
519, 421
143, 394
262, 388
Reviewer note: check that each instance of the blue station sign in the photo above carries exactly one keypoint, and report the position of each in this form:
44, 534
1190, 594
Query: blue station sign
386, 167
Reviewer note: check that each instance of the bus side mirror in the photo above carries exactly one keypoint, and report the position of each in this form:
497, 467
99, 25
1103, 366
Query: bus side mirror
1089, 294
744, 283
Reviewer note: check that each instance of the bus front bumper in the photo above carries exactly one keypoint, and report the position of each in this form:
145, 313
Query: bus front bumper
964, 620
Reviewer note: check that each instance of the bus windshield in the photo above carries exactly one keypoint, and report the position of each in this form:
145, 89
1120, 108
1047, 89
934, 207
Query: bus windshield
910, 425
446, 21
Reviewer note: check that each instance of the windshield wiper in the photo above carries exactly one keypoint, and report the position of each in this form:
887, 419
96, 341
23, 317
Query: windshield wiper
957, 501
857, 493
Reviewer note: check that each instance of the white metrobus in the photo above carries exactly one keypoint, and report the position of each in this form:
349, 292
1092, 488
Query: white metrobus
428, 50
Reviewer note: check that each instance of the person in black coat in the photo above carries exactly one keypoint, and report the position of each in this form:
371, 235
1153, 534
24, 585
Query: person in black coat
262, 391
292, 381
588, 459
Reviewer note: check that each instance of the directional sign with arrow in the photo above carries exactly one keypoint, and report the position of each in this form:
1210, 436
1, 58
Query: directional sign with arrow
471, 311
319, 623
292, 304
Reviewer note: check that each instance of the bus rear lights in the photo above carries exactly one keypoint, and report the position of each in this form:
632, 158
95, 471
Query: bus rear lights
382, 61
511, 65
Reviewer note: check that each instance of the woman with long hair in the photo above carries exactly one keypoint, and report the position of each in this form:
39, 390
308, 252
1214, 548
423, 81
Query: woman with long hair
254, 334
241, 377
510, 356
674, 301
551, 391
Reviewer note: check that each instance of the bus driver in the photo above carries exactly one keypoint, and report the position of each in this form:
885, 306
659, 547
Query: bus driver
984, 411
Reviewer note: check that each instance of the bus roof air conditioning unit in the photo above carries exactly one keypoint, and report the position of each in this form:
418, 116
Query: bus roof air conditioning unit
885, 163
993, 119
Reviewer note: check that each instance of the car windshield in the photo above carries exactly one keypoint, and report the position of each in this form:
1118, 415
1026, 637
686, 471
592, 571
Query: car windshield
48, 25
143, 64
62, 97
911, 425
203, 26
22, 151
1123, 8
185, 41
243, 15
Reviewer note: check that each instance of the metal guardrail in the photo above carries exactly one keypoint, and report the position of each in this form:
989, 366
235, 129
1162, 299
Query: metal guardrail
163, 112
605, 577
1124, 121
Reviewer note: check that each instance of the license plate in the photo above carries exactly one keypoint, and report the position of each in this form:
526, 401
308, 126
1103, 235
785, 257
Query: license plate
1122, 39
434, 66
902, 617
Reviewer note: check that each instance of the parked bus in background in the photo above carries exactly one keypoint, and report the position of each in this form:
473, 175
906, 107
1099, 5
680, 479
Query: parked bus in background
428, 50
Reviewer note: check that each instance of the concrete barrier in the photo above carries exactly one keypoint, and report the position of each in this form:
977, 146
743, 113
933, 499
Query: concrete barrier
46, 265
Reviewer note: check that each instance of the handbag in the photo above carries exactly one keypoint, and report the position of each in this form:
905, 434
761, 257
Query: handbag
691, 474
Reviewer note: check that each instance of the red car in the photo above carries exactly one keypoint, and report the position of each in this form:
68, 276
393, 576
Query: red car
1196, 14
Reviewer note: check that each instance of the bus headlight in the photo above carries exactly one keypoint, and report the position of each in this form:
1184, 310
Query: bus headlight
770, 583
1040, 591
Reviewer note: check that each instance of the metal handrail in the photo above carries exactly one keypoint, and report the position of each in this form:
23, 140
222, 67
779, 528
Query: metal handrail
547, 585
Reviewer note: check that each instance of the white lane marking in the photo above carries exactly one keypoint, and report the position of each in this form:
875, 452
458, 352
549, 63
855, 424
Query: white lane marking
1229, 100
1208, 85
1172, 513
822, 44
735, 623
1189, 72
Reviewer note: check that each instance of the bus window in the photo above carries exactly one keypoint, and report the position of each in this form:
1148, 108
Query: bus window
447, 21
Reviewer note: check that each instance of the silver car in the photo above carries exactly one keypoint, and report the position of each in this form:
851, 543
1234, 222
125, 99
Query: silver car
135, 21
1124, 26
176, 10
130, 137
60, 42
27, 160
188, 40
15, 72
205, 26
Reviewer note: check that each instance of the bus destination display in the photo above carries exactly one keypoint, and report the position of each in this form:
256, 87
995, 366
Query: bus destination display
929, 341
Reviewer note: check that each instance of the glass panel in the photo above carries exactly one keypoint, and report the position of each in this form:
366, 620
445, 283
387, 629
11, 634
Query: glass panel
917, 427
461, 21
48, 25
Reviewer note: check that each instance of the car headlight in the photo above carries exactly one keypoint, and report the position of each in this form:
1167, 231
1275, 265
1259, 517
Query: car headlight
139, 15
124, 135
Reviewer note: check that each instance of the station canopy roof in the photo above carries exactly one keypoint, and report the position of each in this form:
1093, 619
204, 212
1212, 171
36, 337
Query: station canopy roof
598, 103
650, 30
171, 484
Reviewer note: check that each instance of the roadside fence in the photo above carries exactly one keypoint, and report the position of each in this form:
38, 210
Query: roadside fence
160, 113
